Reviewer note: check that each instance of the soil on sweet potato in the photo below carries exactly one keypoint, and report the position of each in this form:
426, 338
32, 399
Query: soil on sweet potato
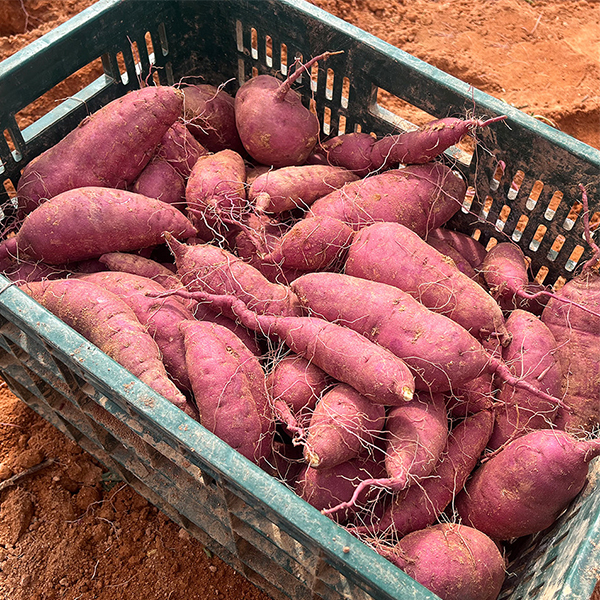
70, 531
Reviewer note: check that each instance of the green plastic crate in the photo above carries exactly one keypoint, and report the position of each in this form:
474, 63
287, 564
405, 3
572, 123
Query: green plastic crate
246, 517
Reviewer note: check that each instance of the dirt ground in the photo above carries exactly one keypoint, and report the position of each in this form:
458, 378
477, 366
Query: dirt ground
66, 531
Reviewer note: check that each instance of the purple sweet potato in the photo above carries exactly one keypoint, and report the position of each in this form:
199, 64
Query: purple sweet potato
420, 505
274, 126
284, 189
454, 561
343, 424
209, 113
531, 355
161, 181
472, 250
366, 154
207, 268
525, 486
109, 323
88, 222
439, 351
393, 254
416, 433
216, 190
574, 321
108, 149
505, 270
180, 149
295, 385
325, 488
160, 316
421, 197
313, 244
460, 261
229, 388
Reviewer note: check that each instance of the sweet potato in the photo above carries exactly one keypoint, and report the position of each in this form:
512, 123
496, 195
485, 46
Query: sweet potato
420, 505
109, 323
440, 352
393, 254
366, 154
229, 388
325, 488
284, 189
88, 222
342, 353
531, 355
463, 265
274, 126
342, 425
209, 113
161, 181
416, 433
295, 385
525, 486
180, 149
160, 316
108, 149
421, 197
216, 191
575, 325
454, 561
472, 250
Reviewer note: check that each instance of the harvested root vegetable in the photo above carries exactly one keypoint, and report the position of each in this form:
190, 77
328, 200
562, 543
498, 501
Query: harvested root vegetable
472, 250
295, 385
209, 113
92, 221
532, 355
274, 126
180, 149
288, 188
161, 181
208, 268
421, 504
454, 561
343, 424
216, 191
160, 316
394, 254
342, 353
365, 154
525, 486
421, 197
107, 149
416, 433
325, 488
229, 388
109, 323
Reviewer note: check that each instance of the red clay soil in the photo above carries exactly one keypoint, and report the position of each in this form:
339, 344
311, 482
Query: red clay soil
66, 531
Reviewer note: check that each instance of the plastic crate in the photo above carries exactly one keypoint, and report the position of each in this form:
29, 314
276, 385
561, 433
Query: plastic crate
249, 519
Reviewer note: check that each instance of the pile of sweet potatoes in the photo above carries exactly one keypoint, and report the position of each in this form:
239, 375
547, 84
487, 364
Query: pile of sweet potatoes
303, 301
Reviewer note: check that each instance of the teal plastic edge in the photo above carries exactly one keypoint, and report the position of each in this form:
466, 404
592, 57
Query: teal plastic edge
338, 545
482, 99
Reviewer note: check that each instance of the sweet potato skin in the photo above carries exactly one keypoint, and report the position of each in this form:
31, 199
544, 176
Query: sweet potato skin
343, 424
531, 354
523, 488
229, 388
107, 322
454, 561
393, 254
88, 222
108, 149
297, 186
576, 333
421, 197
